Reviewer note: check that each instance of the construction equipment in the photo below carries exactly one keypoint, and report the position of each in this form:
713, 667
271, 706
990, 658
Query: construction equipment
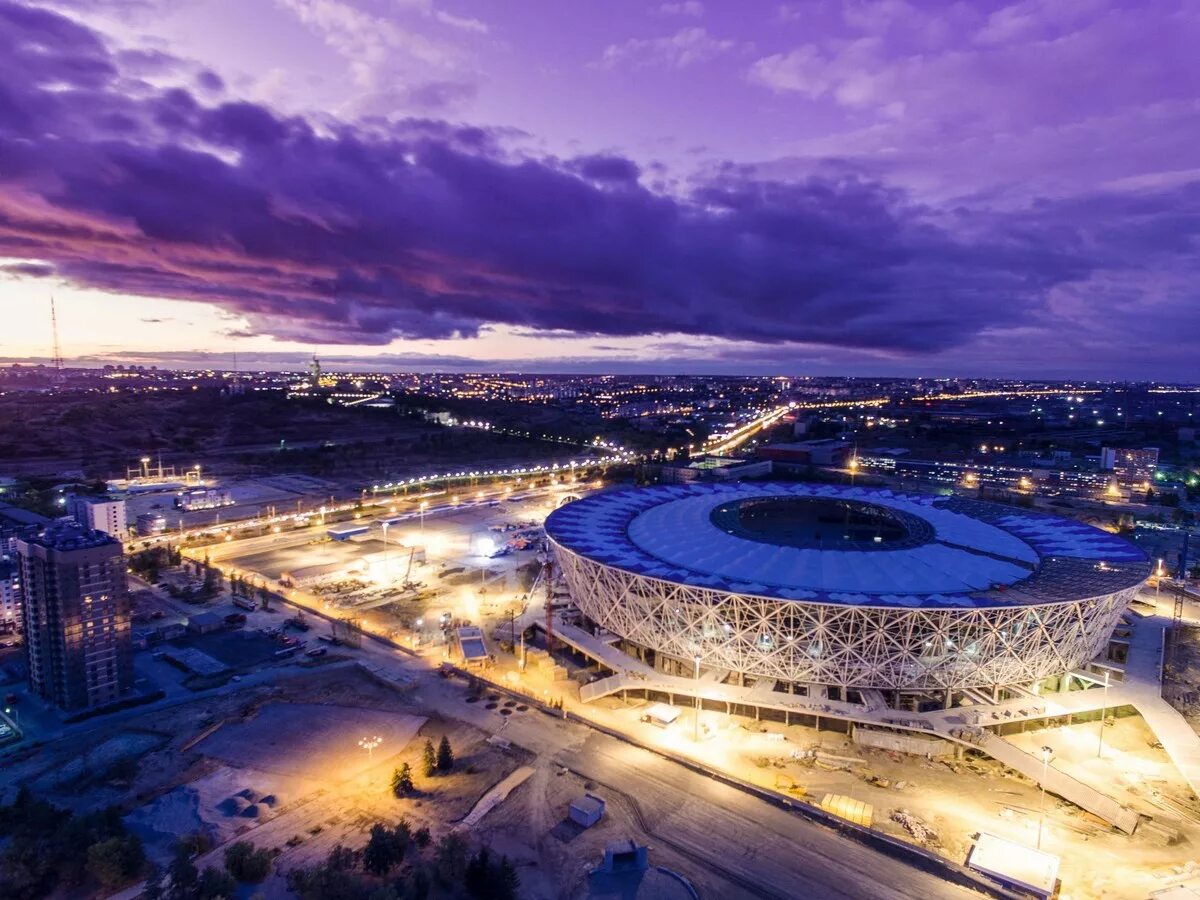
408, 584
788, 785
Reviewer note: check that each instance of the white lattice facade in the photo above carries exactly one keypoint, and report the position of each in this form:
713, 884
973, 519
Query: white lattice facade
847, 586
879, 647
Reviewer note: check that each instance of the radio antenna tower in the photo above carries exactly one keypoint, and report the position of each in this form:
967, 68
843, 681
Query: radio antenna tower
57, 349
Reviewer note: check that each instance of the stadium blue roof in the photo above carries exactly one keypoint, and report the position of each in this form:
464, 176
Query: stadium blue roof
975, 555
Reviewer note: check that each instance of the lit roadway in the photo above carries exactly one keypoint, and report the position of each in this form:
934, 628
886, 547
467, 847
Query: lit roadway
379, 506
735, 439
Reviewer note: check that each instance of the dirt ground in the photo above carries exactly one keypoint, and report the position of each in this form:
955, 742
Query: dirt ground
281, 766
954, 799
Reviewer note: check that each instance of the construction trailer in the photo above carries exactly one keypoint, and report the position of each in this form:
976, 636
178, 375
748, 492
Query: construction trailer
660, 714
1014, 865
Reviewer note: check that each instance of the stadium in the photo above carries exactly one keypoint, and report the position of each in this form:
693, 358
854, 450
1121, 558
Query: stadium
843, 586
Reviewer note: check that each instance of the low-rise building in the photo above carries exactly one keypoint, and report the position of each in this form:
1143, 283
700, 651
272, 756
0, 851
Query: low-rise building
106, 514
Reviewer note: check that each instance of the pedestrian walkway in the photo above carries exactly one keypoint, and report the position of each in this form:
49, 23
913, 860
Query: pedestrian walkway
961, 725
1143, 687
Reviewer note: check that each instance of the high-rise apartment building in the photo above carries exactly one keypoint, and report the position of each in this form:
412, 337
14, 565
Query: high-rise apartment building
76, 613
10, 596
105, 514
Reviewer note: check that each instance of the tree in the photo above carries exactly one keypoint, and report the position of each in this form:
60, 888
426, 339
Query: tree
450, 858
429, 759
341, 858
445, 755
404, 835
422, 838
115, 861
402, 782
216, 884
212, 580
383, 851
246, 863
184, 877
476, 878
507, 881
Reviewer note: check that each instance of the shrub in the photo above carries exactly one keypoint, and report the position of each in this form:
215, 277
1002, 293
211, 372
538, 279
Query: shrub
246, 863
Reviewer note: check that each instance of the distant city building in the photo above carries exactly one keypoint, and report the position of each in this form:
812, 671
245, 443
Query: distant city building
204, 498
826, 452
16, 522
10, 596
1134, 466
713, 468
76, 615
151, 523
105, 514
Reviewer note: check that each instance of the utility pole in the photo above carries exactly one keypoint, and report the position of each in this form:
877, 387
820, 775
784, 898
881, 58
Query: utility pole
58, 363
1103, 712
547, 574
1047, 752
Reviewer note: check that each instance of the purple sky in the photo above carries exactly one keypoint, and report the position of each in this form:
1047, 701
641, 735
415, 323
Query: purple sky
874, 188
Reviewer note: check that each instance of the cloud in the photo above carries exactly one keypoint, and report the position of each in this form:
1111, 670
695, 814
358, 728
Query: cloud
802, 70
462, 23
364, 233
438, 96
684, 48
693, 8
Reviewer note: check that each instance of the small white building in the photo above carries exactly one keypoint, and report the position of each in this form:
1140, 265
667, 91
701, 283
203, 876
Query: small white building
105, 514
586, 811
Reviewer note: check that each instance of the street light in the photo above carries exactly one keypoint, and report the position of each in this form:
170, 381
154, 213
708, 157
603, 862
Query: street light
386, 572
369, 744
1047, 753
697, 732
1103, 712
424, 503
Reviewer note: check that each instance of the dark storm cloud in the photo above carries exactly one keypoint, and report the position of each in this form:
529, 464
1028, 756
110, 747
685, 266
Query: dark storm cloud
358, 234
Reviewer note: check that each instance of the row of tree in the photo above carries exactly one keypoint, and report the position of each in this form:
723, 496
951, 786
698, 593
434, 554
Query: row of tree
182, 880
46, 849
394, 865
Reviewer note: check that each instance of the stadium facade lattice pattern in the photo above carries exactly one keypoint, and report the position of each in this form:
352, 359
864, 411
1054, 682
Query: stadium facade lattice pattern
927, 593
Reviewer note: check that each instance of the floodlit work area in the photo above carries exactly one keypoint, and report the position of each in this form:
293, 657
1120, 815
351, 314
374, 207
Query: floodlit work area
414, 571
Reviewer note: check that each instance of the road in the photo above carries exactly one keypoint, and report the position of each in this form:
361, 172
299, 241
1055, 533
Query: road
754, 848
761, 850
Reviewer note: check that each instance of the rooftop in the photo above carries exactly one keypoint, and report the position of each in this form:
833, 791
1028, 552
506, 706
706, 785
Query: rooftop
849, 545
65, 534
